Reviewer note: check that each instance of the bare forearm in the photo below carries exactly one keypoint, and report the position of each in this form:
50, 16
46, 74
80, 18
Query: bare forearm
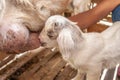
92, 16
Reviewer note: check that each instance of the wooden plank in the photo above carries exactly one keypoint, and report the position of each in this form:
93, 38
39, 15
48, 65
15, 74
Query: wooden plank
110, 74
116, 72
97, 28
52, 67
48, 54
3, 55
17, 62
7, 59
54, 70
66, 73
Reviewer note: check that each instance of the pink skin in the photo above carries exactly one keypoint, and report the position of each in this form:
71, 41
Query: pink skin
15, 38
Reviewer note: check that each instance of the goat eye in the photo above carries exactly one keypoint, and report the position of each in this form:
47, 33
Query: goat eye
42, 7
55, 24
50, 34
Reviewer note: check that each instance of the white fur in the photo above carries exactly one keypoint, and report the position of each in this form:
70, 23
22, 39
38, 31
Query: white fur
25, 2
2, 6
80, 6
89, 53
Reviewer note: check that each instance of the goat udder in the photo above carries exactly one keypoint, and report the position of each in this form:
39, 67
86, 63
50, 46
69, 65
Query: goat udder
13, 38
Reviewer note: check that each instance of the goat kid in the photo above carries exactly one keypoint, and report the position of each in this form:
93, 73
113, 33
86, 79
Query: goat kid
78, 6
89, 53
19, 19
23, 17
81, 5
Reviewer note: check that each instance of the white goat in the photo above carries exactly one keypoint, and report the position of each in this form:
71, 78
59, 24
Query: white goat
80, 6
89, 53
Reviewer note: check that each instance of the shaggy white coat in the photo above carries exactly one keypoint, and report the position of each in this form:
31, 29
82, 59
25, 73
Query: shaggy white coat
89, 53
81, 5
